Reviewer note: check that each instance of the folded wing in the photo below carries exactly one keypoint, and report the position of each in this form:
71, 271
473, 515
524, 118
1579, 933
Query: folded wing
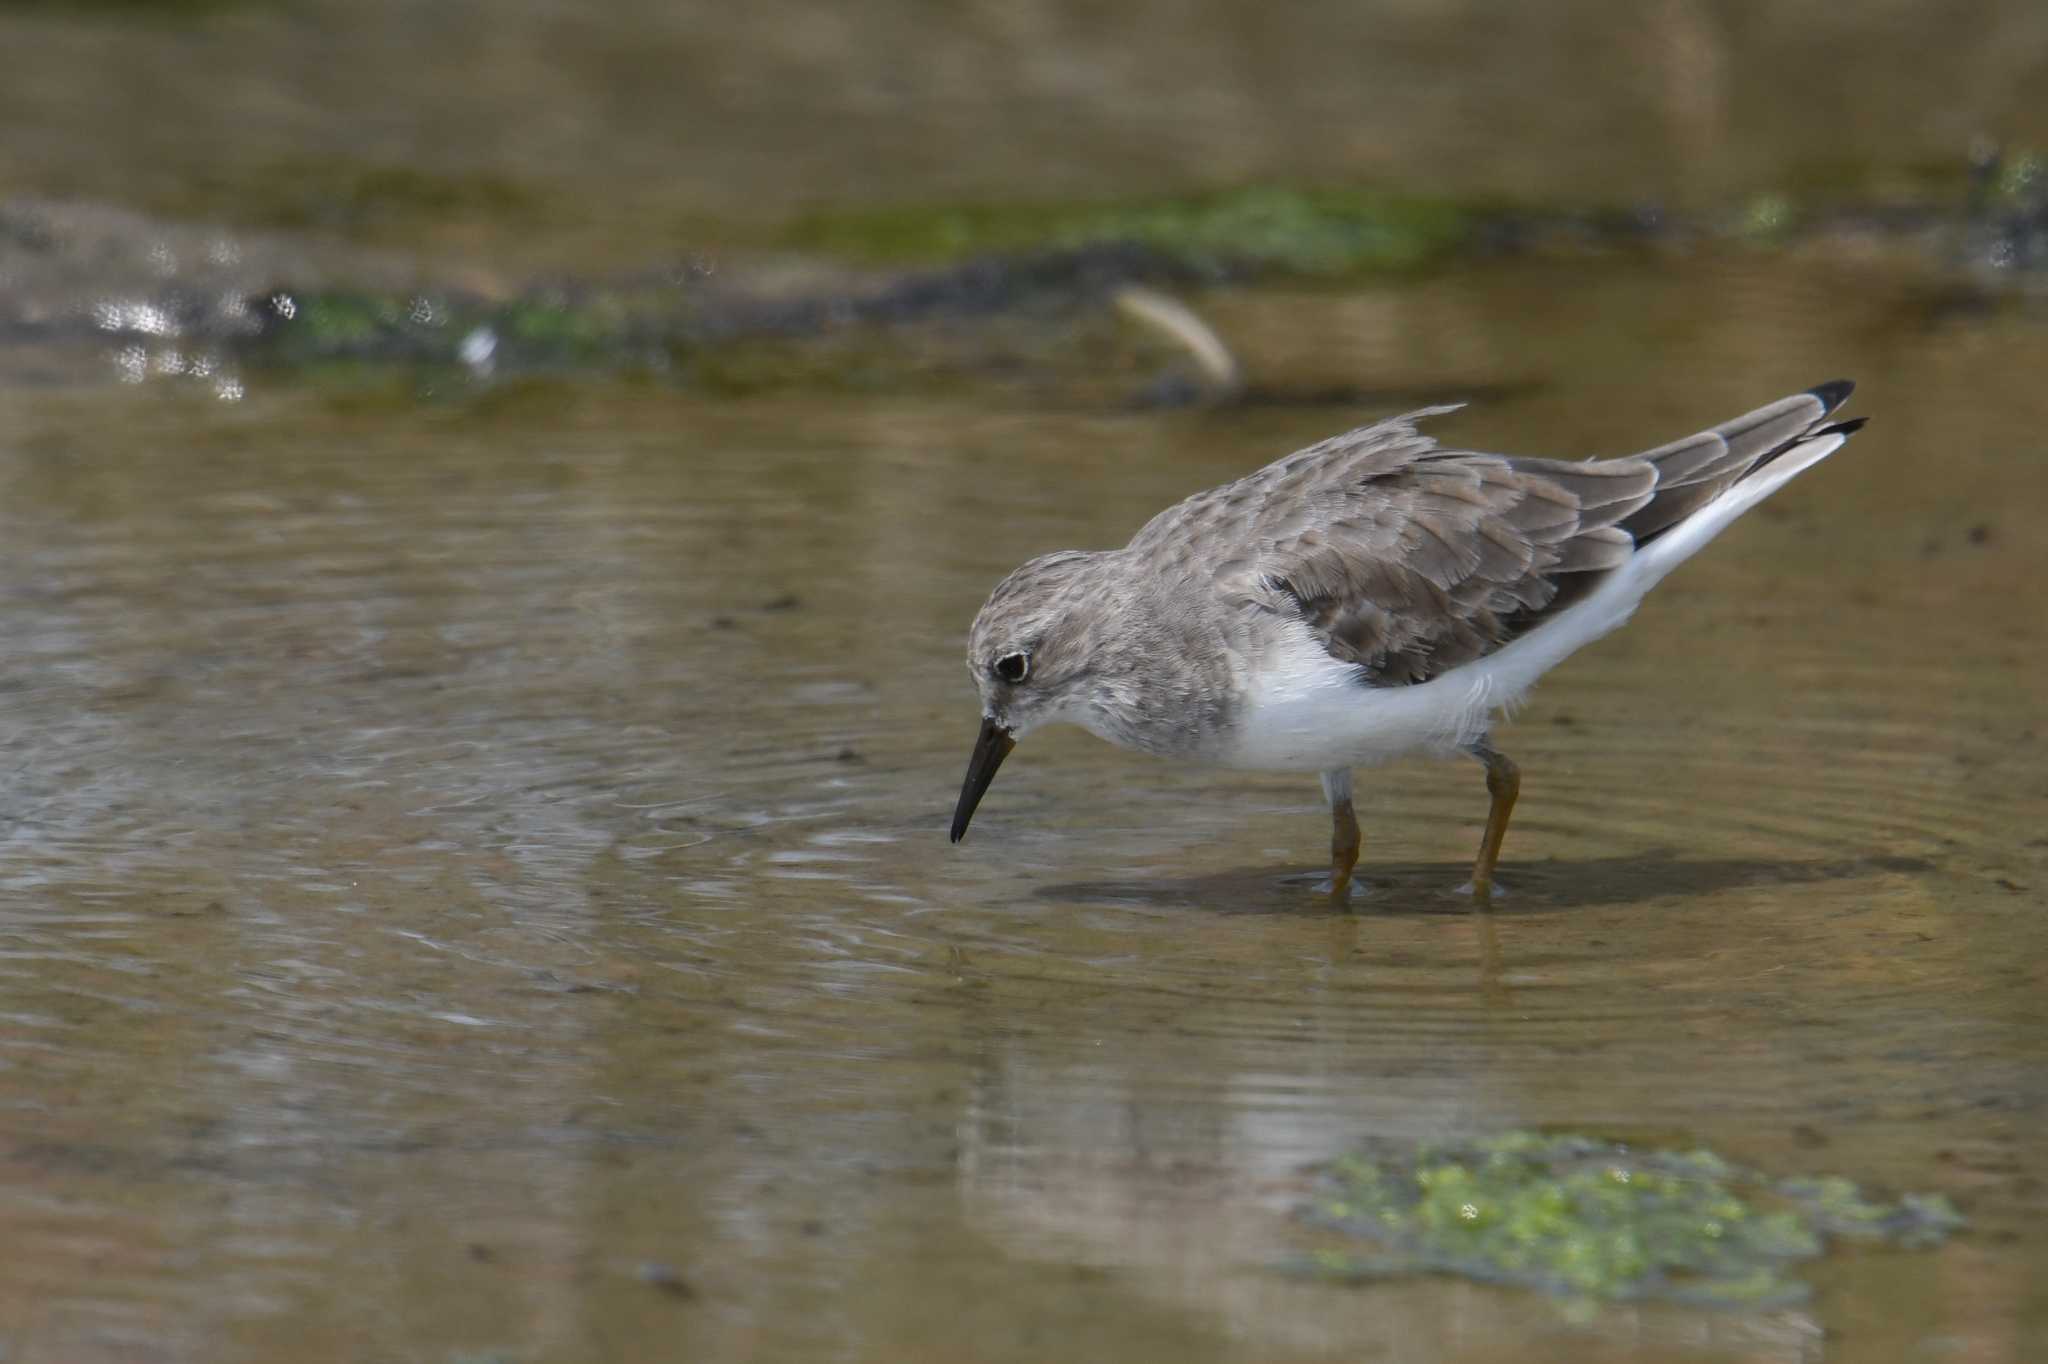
1410, 561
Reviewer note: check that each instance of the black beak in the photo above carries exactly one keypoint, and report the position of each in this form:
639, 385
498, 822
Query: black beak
990, 749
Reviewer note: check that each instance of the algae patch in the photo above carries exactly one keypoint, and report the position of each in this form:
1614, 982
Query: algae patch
1313, 232
1576, 1216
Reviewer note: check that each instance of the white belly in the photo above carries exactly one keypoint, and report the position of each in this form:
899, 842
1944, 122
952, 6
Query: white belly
1308, 712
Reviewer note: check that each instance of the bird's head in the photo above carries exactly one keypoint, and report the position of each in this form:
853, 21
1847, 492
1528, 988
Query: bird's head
1032, 654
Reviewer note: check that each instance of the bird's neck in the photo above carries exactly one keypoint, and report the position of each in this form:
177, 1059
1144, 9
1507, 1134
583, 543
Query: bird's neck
1167, 686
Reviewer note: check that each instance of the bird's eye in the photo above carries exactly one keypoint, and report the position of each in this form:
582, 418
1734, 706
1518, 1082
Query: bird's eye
1013, 668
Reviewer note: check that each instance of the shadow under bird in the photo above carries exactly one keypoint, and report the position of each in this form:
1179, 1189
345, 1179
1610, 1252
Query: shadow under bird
1369, 596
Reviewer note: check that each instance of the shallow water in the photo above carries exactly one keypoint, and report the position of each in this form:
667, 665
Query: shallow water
475, 877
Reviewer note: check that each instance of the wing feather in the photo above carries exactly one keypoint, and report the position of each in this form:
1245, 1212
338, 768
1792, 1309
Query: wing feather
1409, 560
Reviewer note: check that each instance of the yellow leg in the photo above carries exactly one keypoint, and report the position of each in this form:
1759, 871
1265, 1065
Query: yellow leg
1503, 783
1343, 848
1344, 838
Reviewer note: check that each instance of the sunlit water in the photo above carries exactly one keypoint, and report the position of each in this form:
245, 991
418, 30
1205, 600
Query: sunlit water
474, 880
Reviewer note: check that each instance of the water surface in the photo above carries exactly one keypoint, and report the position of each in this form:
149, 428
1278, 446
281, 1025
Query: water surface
475, 880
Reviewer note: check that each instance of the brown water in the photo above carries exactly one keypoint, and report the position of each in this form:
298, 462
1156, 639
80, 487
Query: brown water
475, 878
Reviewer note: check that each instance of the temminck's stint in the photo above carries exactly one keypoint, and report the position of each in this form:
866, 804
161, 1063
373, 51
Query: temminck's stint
1366, 597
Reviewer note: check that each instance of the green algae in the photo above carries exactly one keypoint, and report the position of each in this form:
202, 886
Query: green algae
1767, 220
980, 323
990, 293
1584, 1218
314, 329
2017, 179
1269, 228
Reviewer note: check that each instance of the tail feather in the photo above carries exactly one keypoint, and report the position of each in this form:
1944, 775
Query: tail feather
1755, 434
1693, 473
1689, 460
1834, 393
1686, 537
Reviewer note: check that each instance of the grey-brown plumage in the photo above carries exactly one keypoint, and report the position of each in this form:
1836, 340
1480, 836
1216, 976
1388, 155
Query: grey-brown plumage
1410, 560
1367, 596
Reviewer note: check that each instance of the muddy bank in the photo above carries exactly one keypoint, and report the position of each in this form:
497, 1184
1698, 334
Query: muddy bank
1037, 295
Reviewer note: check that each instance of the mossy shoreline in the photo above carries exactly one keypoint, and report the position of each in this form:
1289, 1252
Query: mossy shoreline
867, 298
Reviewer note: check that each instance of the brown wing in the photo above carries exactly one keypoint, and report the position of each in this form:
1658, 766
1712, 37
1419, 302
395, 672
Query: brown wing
1409, 560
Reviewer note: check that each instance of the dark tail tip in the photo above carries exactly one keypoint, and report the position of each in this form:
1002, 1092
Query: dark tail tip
1834, 392
1847, 428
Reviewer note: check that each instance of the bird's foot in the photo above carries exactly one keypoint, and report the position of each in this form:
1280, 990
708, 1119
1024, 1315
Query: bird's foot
1321, 883
1490, 893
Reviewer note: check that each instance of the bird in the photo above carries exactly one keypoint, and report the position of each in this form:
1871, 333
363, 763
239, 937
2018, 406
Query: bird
1369, 596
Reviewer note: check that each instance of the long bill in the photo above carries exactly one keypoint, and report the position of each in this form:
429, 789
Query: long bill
990, 749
